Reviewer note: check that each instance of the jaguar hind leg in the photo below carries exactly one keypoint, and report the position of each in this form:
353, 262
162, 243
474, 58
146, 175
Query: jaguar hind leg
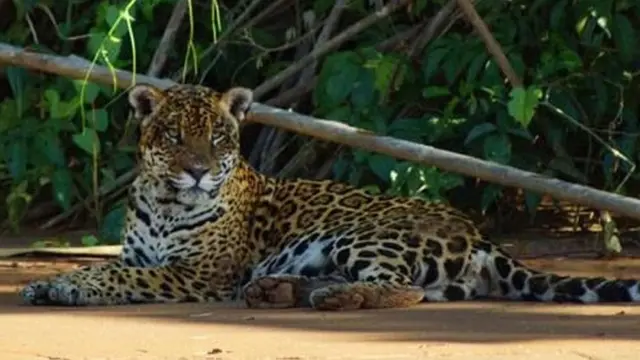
473, 283
365, 295
284, 290
455, 291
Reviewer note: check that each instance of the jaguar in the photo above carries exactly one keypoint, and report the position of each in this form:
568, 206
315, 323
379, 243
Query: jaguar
202, 225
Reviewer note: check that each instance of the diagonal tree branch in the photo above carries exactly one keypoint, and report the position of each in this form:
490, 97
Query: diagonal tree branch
490, 42
328, 130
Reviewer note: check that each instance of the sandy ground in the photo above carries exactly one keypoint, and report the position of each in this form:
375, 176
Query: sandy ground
472, 330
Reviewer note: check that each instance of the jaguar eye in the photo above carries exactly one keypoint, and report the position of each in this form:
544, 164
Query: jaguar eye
172, 136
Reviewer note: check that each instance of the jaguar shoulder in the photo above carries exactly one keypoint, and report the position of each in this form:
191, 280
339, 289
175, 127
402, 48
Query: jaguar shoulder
202, 225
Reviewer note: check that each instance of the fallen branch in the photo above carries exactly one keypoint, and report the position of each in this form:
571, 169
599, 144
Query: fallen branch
76, 68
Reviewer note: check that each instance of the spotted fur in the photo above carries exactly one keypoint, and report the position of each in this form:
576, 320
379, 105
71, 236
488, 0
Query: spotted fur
202, 225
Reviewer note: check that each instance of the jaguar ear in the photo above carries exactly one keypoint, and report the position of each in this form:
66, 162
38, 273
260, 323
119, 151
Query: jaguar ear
144, 99
237, 101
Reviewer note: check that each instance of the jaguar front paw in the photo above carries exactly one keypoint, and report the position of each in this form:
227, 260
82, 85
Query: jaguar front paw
57, 291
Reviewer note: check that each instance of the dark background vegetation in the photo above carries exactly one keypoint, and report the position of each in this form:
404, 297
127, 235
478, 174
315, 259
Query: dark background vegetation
66, 154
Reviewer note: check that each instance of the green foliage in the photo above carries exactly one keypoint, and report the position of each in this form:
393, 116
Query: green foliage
576, 117
63, 135
578, 59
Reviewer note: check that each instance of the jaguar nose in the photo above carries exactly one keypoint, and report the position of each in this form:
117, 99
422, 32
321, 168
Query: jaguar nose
197, 172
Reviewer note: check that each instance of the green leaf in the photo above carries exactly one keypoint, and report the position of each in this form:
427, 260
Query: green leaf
17, 203
107, 46
567, 167
355, 174
62, 187
570, 60
363, 91
340, 167
87, 141
113, 13
371, 189
435, 91
624, 36
532, 201
475, 67
91, 91
419, 6
490, 194
523, 104
89, 240
59, 109
10, 117
411, 129
497, 148
17, 78
336, 78
99, 120
377, 123
341, 113
17, 158
437, 181
48, 143
95, 41
339, 86
558, 13
322, 6
414, 182
563, 101
53, 102
601, 96
24, 6
451, 67
520, 132
381, 165
491, 76
517, 63
432, 61
479, 130
384, 68
121, 160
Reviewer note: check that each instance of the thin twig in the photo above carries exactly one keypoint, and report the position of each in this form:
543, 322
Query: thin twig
233, 28
325, 169
332, 44
294, 94
325, 34
490, 42
329, 26
301, 157
237, 22
400, 39
287, 97
430, 28
433, 25
122, 181
162, 51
